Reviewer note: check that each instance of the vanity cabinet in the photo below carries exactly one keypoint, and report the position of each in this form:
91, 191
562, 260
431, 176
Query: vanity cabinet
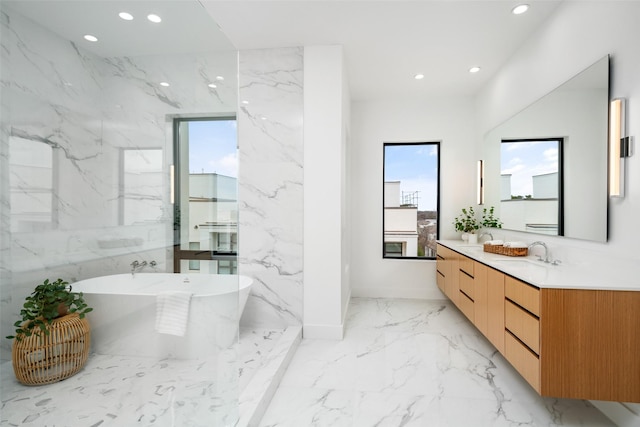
566, 343
522, 329
447, 268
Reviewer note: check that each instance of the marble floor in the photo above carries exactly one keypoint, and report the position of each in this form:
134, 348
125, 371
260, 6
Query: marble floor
230, 390
412, 363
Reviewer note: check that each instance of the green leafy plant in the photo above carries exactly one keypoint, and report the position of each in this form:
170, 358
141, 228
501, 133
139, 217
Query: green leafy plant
466, 221
489, 219
48, 301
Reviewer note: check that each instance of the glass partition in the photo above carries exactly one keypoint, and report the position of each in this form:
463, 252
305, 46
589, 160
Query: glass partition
89, 97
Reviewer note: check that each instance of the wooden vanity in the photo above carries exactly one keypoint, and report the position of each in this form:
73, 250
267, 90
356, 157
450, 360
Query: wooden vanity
566, 343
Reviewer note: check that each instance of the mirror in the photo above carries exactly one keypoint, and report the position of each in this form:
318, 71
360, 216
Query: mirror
531, 197
575, 115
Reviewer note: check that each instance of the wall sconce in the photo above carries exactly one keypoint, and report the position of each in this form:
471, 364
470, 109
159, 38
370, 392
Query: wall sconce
480, 183
619, 147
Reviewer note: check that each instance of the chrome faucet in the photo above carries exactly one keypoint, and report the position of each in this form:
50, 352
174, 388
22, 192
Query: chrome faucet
486, 233
137, 266
546, 250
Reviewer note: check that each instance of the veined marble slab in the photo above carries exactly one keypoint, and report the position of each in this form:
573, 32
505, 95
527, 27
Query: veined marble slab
123, 391
412, 363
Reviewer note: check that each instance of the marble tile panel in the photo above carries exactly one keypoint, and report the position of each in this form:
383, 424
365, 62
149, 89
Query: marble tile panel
400, 364
270, 184
310, 407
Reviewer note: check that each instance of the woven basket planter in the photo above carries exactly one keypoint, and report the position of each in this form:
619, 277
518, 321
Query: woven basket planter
44, 359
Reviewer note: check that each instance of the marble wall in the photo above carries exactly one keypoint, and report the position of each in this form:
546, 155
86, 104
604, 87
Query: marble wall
270, 132
83, 111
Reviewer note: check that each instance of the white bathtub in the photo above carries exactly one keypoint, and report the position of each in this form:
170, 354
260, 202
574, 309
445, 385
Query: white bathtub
123, 320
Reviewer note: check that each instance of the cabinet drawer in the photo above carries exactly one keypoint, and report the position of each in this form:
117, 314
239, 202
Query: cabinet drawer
466, 284
466, 306
525, 362
440, 280
466, 265
440, 264
523, 325
526, 296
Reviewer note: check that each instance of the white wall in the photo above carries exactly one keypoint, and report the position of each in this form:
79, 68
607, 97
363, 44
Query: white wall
448, 120
577, 35
324, 150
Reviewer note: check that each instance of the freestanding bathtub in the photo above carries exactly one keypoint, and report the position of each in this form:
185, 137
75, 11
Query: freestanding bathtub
123, 320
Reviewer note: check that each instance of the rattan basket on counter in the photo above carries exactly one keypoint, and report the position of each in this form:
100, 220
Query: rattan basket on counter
44, 359
505, 250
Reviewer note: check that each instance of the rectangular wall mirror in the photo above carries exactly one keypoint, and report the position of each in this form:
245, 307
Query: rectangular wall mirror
575, 115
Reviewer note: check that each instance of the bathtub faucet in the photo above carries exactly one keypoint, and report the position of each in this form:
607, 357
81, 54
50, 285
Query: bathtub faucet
137, 266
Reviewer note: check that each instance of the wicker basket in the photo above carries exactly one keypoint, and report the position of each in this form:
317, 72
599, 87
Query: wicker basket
44, 359
502, 250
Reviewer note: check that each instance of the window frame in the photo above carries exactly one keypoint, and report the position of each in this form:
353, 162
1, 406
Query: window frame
438, 185
561, 142
183, 254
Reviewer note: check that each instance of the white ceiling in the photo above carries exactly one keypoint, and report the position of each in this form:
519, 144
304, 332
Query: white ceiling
185, 28
387, 42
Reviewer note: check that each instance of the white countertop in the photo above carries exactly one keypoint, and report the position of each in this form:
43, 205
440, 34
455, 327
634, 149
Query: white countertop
610, 274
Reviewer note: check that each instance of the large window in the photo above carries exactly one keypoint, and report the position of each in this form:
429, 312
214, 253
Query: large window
206, 205
410, 199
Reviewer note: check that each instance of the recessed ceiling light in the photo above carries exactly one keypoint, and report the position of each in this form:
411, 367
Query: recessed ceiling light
126, 16
90, 38
474, 69
263, 118
212, 86
520, 9
165, 84
220, 78
245, 102
154, 18
419, 76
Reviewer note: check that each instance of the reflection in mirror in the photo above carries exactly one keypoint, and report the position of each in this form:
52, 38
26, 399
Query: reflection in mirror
142, 178
410, 219
577, 113
31, 183
531, 186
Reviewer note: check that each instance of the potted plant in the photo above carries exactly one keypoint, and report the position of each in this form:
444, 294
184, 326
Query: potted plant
48, 301
489, 220
53, 337
467, 222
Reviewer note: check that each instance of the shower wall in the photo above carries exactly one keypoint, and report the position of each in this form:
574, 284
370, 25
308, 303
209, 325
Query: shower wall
67, 116
270, 128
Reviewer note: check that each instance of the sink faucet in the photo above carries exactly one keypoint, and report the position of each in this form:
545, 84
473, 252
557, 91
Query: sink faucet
486, 233
546, 250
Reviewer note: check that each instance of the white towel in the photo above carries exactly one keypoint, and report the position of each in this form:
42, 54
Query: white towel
172, 312
494, 242
515, 245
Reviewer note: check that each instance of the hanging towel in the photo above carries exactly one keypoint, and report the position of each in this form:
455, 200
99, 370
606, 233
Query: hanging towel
172, 312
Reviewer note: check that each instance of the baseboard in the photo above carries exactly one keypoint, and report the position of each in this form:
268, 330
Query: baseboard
323, 332
623, 415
